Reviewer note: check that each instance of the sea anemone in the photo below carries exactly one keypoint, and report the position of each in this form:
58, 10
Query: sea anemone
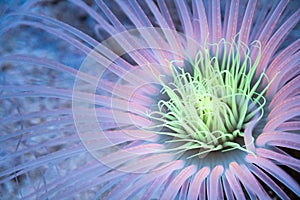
173, 100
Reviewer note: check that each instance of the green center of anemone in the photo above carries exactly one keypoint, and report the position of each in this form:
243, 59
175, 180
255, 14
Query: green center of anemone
209, 106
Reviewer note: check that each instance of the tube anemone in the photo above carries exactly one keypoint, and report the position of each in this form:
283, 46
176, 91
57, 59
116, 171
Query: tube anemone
173, 100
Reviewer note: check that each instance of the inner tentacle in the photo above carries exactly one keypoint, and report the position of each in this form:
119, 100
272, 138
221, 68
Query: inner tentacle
210, 100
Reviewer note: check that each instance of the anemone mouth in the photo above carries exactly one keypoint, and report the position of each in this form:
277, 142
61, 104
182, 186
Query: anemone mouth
206, 103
